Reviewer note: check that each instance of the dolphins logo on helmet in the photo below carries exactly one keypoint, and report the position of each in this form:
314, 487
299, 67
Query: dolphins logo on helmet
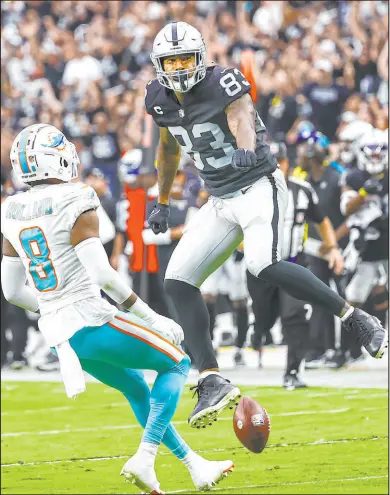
56, 140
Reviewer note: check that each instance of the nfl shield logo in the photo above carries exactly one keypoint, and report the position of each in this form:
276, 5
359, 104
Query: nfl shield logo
181, 113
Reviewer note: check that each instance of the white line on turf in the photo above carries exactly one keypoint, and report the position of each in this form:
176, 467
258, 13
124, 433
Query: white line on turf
313, 482
270, 446
125, 404
130, 426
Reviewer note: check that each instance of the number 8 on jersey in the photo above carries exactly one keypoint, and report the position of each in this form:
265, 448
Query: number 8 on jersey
41, 268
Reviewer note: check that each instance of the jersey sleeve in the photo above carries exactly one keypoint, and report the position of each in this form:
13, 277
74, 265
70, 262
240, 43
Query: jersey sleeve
81, 199
153, 102
4, 206
354, 179
314, 211
231, 85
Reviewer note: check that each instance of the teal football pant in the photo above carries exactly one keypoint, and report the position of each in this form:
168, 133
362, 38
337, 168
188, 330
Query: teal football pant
114, 352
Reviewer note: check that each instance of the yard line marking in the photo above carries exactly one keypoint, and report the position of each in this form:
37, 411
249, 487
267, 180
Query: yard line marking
202, 451
293, 483
65, 408
130, 426
367, 396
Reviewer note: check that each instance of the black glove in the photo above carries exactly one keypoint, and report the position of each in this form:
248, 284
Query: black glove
158, 219
244, 159
372, 186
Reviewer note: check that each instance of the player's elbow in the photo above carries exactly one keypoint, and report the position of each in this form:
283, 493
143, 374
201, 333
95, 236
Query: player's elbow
10, 291
9, 287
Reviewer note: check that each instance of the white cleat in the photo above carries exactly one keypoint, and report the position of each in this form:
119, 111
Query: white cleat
205, 474
141, 473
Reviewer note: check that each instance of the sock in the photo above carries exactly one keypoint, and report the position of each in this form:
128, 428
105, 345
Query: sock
206, 373
148, 450
302, 284
195, 320
190, 458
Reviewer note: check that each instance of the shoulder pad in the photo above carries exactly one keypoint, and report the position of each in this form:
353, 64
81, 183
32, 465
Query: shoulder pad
231, 84
77, 200
152, 90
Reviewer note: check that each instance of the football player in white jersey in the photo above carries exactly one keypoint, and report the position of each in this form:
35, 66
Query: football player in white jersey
51, 236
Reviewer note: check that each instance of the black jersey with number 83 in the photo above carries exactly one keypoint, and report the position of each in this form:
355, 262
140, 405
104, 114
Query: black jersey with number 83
201, 128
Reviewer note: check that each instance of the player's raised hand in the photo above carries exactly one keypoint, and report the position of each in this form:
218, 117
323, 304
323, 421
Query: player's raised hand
243, 159
158, 219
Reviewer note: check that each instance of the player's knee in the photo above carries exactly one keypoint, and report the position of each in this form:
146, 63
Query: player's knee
185, 365
256, 266
239, 304
176, 289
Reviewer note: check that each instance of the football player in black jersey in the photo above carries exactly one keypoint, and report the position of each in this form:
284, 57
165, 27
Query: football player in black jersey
365, 199
208, 112
270, 301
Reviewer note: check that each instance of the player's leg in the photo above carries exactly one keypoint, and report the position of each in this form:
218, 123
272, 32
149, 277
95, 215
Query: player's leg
262, 241
132, 385
295, 315
238, 295
358, 293
208, 241
126, 342
209, 290
322, 320
265, 307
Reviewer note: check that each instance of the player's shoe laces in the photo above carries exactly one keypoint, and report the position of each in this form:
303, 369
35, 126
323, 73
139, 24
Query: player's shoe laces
292, 381
369, 332
214, 395
140, 471
205, 474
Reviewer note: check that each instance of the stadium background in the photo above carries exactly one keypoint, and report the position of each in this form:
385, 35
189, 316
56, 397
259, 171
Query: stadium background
83, 66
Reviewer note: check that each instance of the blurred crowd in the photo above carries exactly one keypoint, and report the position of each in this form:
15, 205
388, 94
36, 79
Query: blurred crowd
83, 66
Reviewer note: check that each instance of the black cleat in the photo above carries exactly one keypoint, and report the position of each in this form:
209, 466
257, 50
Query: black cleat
214, 395
369, 332
337, 361
292, 381
239, 359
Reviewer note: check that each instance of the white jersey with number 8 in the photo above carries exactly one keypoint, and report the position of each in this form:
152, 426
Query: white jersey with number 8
38, 224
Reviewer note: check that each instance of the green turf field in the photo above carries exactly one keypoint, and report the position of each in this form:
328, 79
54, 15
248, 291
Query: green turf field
322, 441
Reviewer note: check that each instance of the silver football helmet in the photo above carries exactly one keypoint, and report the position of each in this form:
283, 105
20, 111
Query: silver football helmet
179, 38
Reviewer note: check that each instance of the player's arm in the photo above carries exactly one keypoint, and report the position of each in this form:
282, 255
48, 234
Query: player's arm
241, 120
351, 200
168, 158
328, 236
91, 253
327, 233
13, 280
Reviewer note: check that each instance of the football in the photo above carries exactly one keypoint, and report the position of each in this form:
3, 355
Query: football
252, 425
